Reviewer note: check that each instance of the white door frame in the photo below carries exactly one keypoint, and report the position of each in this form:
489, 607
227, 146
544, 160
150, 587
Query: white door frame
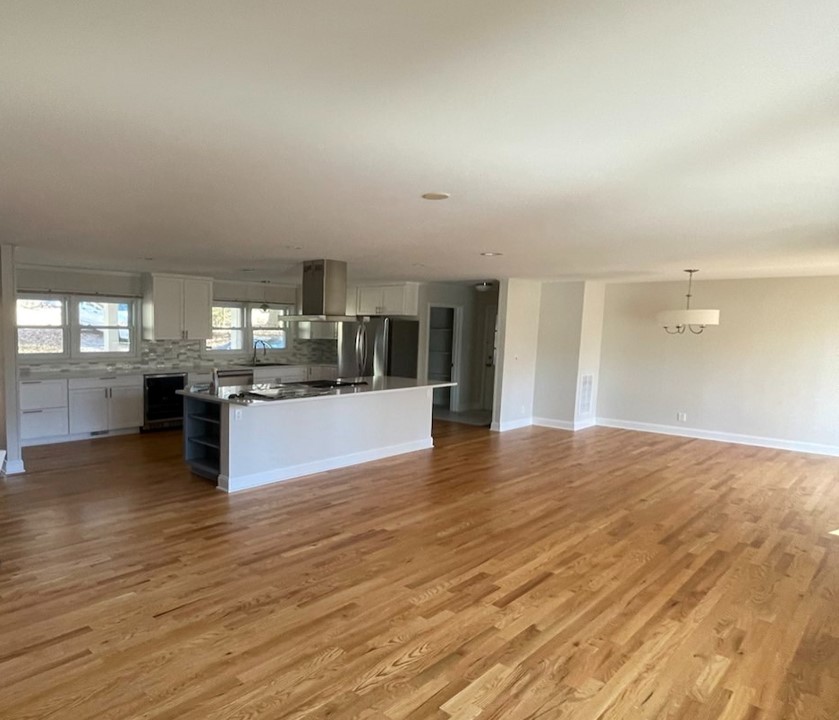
454, 397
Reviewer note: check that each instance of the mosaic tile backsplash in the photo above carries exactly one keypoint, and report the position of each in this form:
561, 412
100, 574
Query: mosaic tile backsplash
185, 354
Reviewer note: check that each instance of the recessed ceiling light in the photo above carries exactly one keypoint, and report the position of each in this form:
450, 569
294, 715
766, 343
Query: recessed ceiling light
436, 196
491, 254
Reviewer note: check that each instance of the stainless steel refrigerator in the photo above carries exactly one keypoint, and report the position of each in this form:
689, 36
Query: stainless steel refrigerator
379, 346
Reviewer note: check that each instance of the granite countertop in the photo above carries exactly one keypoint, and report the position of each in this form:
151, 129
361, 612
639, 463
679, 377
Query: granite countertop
371, 385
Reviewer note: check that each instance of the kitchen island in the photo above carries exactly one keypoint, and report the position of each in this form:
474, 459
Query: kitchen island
246, 436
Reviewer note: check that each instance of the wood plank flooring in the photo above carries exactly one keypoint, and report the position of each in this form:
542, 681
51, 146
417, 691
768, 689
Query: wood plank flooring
534, 574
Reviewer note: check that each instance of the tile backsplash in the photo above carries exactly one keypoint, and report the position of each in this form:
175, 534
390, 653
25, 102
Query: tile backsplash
186, 354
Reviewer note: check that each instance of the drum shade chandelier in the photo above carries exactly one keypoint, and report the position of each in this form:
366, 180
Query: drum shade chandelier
675, 322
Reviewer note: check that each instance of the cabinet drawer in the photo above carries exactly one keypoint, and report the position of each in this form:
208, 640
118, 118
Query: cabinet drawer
43, 394
43, 423
106, 381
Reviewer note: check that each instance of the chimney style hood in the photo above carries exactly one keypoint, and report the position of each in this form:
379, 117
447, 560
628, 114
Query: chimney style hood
324, 296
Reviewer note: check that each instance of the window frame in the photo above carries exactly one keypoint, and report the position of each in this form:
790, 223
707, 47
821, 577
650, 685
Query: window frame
248, 330
244, 329
64, 327
76, 327
72, 328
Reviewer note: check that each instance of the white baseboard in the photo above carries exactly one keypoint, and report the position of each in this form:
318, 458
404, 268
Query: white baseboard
244, 482
511, 425
736, 438
14, 467
564, 424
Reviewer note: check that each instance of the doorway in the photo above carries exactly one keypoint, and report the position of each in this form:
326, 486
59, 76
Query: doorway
443, 353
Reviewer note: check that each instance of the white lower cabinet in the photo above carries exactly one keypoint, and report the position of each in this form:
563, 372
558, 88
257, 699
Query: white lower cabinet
323, 372
109, 403
88, 410
125, 409
280, 374
46, 423
43, 409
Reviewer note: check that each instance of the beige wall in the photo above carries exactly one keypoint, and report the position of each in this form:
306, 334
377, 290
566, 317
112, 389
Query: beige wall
769, 371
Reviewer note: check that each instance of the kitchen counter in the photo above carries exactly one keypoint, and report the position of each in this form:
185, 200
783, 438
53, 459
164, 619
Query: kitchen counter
367, 385
244, 444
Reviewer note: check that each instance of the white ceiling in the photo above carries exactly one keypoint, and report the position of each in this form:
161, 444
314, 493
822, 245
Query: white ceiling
581, 139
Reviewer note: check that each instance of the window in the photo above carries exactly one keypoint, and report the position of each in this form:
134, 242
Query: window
41, 326
228, 328
268, 328
52, 326
237, 326
104, 326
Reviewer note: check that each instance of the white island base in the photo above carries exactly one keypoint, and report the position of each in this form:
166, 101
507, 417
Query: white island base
245, 446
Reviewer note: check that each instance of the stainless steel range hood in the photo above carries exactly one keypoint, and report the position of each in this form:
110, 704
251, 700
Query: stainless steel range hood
324, 296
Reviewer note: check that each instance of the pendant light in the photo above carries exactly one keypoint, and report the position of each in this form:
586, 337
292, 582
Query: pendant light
675, 322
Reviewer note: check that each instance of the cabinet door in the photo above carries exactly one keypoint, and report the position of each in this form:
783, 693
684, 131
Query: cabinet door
89, 410
198, 308
43, 423
125, 409
168, 300
369, 300
393, 299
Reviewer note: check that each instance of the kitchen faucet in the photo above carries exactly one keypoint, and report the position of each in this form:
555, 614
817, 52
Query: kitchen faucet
265, 347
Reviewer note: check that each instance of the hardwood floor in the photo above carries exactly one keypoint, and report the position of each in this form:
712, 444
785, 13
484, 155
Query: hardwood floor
534, 574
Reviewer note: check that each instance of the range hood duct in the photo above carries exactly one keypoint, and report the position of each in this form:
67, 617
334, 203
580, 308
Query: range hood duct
324, 296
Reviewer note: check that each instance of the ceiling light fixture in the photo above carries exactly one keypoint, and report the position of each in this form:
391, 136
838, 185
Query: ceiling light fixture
436, 196
675, 322
483, 286
492, 254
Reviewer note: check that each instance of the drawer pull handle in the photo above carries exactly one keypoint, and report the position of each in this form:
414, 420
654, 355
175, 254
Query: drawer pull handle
30, 382
32, 412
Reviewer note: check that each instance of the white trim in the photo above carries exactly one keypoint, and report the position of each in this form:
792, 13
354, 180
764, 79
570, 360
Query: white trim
511, 425
736, 438
564, 424
14, 467
244, 482
55, 439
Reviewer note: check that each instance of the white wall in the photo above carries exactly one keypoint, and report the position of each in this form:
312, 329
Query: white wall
768, 374
558, 360
515, 377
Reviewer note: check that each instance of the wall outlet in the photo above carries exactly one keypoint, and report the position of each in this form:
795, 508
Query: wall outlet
681, 417
237, 414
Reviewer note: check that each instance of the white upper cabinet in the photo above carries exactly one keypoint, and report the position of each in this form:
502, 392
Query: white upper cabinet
393, 299
198, 308
177, 307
